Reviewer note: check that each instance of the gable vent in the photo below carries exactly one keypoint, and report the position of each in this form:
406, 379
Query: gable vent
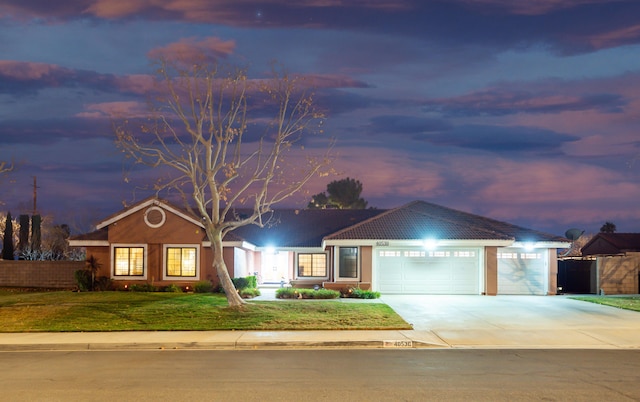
154, 217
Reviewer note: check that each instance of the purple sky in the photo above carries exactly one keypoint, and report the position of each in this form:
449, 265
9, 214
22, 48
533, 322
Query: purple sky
523, 111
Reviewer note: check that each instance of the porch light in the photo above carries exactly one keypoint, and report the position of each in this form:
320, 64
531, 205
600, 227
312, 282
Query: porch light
271, 250
430, 244
529, 246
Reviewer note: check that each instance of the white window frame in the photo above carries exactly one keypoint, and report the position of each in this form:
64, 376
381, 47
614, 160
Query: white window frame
180, 278
326, 266
144, 262
337, 265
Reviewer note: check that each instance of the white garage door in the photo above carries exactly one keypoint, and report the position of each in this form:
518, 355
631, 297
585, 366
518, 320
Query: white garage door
522, 272
415, 271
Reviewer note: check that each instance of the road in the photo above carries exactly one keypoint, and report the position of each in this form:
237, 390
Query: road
322, 375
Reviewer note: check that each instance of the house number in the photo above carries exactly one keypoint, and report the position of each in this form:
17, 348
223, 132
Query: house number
382, 243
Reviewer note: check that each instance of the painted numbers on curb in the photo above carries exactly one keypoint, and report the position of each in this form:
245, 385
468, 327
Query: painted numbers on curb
397, 344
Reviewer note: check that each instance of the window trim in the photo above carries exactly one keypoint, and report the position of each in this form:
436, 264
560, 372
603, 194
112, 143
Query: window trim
337, 265
167, 277
145, 261
326, 265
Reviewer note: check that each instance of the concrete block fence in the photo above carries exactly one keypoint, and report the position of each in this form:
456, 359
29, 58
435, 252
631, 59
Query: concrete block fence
39, 274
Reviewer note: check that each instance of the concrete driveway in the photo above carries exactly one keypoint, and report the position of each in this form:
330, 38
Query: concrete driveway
550, 321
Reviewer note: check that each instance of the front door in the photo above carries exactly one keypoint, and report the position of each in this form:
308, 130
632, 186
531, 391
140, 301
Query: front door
275, 267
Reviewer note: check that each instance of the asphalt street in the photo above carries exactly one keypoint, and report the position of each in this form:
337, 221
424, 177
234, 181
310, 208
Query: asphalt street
322, 375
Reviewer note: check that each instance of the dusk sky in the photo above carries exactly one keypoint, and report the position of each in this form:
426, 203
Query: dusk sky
526, 111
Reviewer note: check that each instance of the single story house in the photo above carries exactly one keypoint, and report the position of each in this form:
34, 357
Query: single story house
418, 248
617, 262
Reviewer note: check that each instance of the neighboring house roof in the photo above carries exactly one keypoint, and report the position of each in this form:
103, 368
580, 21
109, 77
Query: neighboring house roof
612, 244
422, 220
302, 227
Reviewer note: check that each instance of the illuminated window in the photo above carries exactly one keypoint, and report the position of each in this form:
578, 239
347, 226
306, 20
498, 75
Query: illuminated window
414, 253
312, 265
439, 253
348, 262
128, 261
464, 254
181, 261
387, 253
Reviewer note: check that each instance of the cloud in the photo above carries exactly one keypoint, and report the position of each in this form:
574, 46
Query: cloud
499, 139
51, 131
106, 110
406, 125
569, 26
191, 50
505, 101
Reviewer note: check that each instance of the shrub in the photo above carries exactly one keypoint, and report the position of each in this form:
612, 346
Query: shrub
143, 287
363, 294
173, 288
248, 293
102, 283
297, 293
203, 287
83, 279
245, 282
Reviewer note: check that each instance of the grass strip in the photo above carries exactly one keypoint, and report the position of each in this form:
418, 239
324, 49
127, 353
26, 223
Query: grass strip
141, 311
624, 302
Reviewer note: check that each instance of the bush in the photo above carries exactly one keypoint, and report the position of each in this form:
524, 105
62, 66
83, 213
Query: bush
83, 279
143, 287
297, 293
103, 283
203, 287
173, 288
248, 293
250, 282
363, 294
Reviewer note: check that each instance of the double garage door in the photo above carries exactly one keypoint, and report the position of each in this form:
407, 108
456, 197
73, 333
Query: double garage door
418, 271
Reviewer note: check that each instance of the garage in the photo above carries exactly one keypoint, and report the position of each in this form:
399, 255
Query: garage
522, 272
418, 271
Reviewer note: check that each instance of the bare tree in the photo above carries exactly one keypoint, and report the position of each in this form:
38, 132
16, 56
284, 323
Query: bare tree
218, 158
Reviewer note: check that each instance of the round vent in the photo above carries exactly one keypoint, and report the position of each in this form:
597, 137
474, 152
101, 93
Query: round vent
154, 217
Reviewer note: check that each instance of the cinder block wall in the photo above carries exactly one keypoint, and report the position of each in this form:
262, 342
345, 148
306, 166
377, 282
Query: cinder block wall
39, 274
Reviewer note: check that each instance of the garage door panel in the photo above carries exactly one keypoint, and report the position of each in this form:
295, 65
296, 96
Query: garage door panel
521, 272
415, 272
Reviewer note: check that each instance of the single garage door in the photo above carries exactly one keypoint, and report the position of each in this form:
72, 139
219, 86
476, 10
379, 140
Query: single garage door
417, 271
522, 272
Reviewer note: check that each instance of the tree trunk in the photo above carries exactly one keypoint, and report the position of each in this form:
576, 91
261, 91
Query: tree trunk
233, 298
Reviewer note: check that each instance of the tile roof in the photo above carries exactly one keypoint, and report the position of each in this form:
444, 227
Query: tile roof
420, 220
612, 243
97, 235
302, 227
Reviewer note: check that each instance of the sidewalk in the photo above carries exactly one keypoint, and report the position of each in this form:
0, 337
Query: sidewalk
247, 340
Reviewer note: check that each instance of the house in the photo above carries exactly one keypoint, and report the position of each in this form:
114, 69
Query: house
617, 262
418, 248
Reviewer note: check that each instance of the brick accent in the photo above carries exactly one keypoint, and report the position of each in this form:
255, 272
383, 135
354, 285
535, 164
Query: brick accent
39, 274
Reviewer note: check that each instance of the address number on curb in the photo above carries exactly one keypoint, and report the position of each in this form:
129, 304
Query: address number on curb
397, 344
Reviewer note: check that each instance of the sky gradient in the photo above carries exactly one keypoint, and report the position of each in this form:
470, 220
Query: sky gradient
522, 111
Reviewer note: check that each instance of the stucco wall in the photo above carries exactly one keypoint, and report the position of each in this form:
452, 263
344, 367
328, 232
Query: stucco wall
39, 274
619, 274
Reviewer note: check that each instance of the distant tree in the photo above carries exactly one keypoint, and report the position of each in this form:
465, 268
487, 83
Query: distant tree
5, 167
7, 243
215, 156
23, 238
608, 227
340, 194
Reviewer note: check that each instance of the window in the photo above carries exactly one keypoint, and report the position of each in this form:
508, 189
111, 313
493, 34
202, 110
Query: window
312, 265
348, 263
181, 261
128, 261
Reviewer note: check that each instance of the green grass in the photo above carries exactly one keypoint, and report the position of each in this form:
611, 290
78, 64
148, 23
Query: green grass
139, 311
624, 302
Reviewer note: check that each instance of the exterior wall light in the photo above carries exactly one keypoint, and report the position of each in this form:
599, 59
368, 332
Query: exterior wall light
430, 244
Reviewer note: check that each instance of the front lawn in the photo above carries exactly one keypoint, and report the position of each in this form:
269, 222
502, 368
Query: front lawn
139, 311
625, 302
